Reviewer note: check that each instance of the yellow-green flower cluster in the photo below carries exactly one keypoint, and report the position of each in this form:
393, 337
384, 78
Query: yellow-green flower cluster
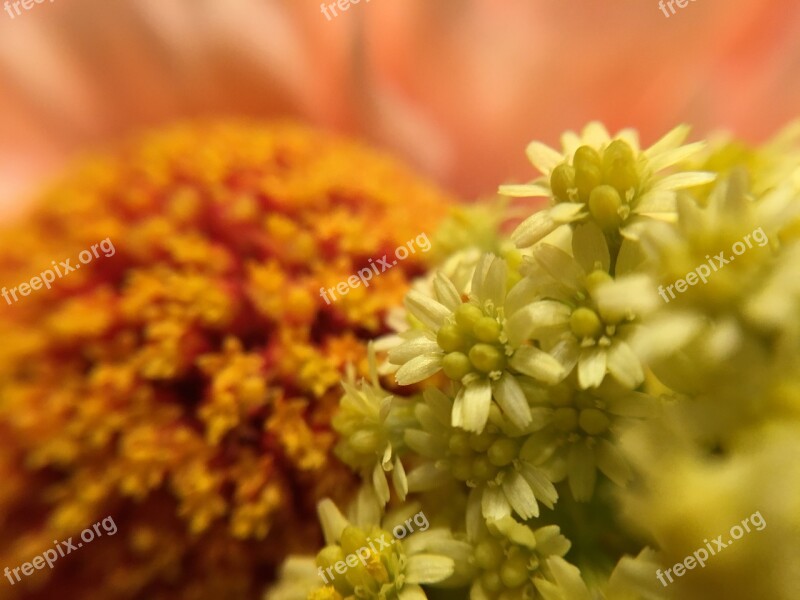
570, 431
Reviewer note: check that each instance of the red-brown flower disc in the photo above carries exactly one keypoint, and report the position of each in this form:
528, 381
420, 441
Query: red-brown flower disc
183, 384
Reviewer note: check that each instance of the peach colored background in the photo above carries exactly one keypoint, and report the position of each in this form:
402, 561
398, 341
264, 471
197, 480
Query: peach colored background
457, 87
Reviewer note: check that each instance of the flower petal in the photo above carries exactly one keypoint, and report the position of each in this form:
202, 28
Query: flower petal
494, 504
569, 584
535, 320
512, 400
446, 292
595, 135
559, 265
524, 190
489, 280
428, 568
471, 408
538, 364
671, 140
544, 222
591, 367
542, 487
543, 157
668, 158
680, 181
400, 479
419, 368
567, 352
421, 343
380, 485
430, 312
625, 365
630, 294
520, 495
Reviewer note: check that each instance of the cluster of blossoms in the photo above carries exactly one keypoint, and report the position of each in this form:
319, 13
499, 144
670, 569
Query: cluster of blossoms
186, 385
567, 432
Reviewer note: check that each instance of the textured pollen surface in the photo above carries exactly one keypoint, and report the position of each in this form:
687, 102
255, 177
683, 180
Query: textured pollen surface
184, 385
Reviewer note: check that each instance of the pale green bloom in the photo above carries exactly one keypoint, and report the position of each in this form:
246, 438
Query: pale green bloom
488, 462
557, 369
393, 568
580, 432
510, 556
609, 181
469, 342
371, 422
582, 315
745, 249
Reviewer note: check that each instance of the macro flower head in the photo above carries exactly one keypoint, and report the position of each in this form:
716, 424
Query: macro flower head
185, 385
580, 313
468, 341
509, 557
607, 180
502, 482
580, 432
556, 378
363, 559
738, 253
370, 422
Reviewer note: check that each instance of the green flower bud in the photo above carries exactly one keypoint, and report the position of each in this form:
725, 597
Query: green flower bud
491, 581
486, 329
480, 442
489, 554
604, 204
467, 315
562, 179
597, 277
329, 556
586, 156
514, 571
459, 444
352, 539
584, 322
455, 365
586, 179
619, 166
487, 358
617, 153
450, 338
502, 452
482, 469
